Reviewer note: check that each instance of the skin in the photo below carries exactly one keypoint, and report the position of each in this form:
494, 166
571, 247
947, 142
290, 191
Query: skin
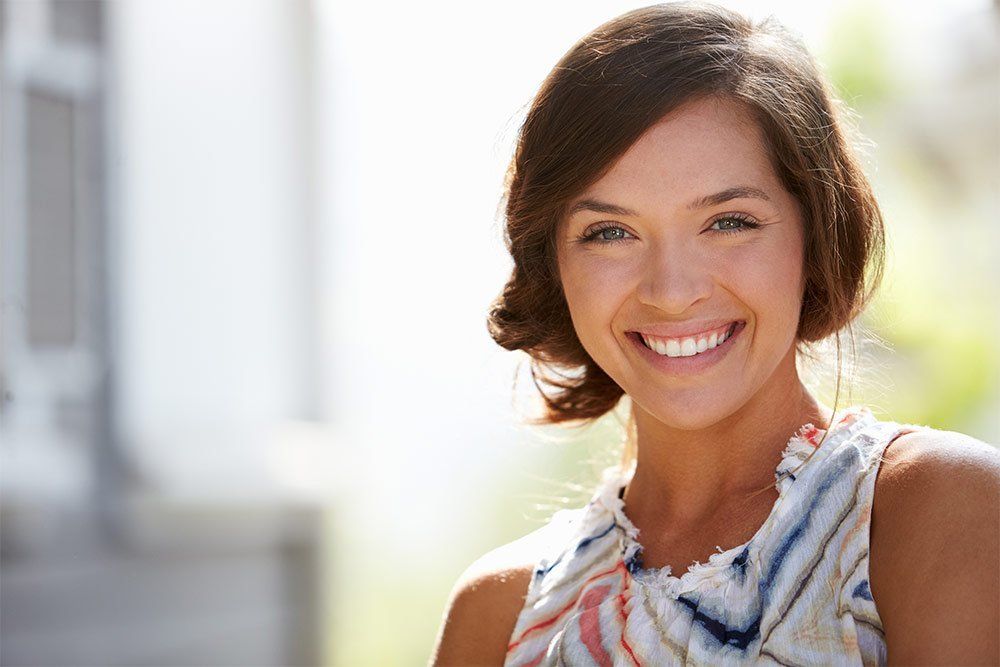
706, 441
935, 549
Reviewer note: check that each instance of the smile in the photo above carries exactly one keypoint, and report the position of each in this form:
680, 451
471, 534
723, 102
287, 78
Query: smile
690, 354
691, 345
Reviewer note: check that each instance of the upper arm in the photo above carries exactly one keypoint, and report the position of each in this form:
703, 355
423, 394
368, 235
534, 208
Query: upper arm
480, 618
935, 549
484, 605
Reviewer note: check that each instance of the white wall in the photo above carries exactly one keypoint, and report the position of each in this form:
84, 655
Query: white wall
210, 208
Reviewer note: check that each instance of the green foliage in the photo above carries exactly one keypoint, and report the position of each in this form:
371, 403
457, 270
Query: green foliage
857, 56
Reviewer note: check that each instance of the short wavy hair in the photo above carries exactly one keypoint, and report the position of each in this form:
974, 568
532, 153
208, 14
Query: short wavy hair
604, 93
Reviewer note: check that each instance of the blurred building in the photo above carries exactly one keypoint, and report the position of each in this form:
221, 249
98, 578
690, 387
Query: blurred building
112, 553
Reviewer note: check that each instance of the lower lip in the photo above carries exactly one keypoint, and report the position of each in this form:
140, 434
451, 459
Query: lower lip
692, 365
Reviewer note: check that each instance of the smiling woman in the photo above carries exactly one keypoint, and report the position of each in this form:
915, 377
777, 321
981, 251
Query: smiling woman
687, 219
673, 274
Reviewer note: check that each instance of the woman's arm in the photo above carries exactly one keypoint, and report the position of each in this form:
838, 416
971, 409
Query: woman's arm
485, 603
480, 618
935, 550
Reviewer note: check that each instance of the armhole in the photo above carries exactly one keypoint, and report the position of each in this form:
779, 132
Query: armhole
558, 533
555, 541
863, 607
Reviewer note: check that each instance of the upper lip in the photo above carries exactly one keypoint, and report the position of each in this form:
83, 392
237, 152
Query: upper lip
683, 329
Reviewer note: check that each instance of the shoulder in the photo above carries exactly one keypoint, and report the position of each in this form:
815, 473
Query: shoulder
485, 603
935, 548
937, 470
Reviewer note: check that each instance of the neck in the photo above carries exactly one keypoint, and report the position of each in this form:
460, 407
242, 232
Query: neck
685, 477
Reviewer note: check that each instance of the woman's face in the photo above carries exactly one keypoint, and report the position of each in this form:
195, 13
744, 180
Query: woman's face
689, 232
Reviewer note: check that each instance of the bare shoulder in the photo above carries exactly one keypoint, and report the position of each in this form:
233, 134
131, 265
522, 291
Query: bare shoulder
935, 549
485, 602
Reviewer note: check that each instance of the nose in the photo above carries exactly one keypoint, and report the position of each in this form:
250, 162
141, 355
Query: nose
674, 279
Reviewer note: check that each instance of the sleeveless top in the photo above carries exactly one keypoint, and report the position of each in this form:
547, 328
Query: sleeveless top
796, 593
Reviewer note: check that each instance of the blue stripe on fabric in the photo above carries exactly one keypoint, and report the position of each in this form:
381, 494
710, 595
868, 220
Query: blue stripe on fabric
837, 468
862, 591
735, 637
541, 572
739, 564
584, 543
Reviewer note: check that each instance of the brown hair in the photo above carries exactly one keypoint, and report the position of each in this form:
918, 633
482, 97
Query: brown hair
604, 93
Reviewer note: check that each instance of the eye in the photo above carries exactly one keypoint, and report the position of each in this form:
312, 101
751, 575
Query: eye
605, 234
732, 223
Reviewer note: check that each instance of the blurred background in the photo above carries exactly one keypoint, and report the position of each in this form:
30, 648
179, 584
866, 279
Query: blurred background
250, 411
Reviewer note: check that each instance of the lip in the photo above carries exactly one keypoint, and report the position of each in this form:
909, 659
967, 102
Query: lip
687, 330
692, 365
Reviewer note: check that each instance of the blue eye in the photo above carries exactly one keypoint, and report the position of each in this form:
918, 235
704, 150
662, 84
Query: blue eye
734, 222
599, 235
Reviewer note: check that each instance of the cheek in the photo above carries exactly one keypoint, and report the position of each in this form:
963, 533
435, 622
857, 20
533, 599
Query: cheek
592, 283
770, 278
594, 290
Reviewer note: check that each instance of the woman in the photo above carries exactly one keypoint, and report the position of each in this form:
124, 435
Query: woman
686, 219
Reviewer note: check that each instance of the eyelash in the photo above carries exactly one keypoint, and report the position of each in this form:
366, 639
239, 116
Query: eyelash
746, 221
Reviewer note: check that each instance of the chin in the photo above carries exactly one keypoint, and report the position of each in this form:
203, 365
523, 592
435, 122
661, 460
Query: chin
689, 413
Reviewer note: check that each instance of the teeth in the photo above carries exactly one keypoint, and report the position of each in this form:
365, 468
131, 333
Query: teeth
686, 347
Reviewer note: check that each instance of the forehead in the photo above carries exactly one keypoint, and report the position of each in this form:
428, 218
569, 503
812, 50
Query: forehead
704, 146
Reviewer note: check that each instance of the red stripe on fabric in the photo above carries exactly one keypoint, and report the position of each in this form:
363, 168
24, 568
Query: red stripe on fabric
618, 566
635, 660
542, 624
538, 659
624, 615
848, 418
590, 625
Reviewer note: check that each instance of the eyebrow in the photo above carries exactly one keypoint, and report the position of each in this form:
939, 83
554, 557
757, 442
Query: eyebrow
736, 192
600, 207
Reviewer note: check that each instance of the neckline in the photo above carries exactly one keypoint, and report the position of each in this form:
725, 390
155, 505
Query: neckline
802, 447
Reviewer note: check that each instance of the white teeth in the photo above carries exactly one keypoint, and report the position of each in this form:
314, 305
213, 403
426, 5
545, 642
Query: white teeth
686, 347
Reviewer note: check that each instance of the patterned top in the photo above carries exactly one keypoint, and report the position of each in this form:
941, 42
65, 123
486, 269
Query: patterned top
796, 593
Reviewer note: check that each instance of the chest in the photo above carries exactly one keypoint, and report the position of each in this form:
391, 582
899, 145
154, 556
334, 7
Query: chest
733, 526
